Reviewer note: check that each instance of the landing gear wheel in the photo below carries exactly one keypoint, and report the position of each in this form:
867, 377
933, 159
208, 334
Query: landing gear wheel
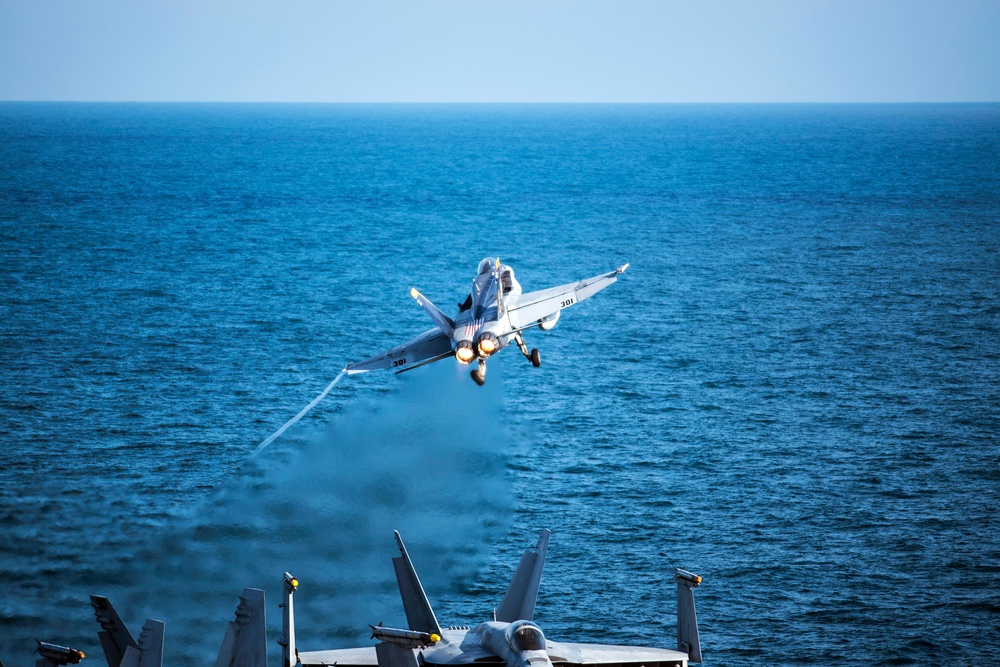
536, 359
477, 377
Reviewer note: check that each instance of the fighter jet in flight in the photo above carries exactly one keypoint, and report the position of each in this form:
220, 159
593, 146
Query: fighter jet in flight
510, 639
495, 313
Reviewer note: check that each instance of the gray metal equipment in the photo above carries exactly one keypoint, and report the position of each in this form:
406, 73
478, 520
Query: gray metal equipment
54, 655
120, 649
494, 314
511, 638
244, 644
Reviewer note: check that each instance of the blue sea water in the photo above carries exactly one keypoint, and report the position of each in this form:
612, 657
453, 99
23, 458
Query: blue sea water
793, 391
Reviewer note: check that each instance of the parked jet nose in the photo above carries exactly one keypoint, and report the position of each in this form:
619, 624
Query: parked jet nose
533, 659
528, 643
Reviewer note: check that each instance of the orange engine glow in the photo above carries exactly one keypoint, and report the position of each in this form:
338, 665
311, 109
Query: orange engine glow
464, 354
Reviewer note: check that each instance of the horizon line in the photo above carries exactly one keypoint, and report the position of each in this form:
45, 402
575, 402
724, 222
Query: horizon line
498, 103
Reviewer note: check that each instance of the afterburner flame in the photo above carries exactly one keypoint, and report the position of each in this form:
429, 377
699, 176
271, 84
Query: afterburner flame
488, 344
464, 353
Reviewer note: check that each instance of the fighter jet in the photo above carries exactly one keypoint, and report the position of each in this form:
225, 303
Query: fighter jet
510, 639
494, 313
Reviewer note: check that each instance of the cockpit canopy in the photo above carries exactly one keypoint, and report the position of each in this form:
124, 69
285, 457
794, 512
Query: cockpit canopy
487, 265
525, 636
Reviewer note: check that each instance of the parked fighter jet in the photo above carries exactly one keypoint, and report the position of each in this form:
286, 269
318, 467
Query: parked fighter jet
510, 639
494, 313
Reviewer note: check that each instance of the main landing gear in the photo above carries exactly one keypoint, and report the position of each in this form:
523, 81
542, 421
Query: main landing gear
479, 374
533, 356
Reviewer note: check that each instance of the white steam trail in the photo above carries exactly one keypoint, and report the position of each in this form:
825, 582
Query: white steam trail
273, 436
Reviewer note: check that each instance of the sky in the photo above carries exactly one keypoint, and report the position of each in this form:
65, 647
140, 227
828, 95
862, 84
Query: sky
509, 51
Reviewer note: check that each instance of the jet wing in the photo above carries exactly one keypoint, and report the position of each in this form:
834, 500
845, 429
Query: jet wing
346, 657
429, 346
533, 306
604, 654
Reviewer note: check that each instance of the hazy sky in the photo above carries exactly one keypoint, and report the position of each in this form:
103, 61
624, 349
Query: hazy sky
509, 51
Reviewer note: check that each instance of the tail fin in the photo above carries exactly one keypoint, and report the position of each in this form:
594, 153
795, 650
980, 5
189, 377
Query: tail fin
391, 655
445, 323
519, 602
419, 614
687, 621
149, 651
115, 637
245, 643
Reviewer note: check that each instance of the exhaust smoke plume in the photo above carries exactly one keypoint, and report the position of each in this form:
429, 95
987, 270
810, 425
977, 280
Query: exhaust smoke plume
427, 459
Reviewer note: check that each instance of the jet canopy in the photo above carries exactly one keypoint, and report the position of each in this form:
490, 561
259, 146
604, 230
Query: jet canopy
487, 265
525, 636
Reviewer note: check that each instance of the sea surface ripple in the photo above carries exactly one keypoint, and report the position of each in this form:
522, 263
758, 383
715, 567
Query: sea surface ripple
793, 391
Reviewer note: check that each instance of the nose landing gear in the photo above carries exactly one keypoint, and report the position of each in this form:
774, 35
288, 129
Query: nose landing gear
479, 374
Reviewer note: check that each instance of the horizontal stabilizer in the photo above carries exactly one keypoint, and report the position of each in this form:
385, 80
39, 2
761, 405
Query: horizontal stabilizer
519, 602
419, 615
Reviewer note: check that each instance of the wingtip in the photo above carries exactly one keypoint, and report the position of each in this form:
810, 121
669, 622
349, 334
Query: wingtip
621, 269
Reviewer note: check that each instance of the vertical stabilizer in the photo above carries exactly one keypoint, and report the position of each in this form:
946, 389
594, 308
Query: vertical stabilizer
519, 601
114, 636
445, 323
419, 614
245, 643
687, 621
391, 655
149, 651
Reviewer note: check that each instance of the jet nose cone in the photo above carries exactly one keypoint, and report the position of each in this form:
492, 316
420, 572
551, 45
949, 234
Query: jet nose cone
539, 660
535, 659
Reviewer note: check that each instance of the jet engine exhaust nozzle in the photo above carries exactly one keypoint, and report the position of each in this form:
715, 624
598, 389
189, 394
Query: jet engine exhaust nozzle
464, 352
487, 344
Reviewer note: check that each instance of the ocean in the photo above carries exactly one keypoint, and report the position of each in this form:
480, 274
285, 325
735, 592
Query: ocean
793, 391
